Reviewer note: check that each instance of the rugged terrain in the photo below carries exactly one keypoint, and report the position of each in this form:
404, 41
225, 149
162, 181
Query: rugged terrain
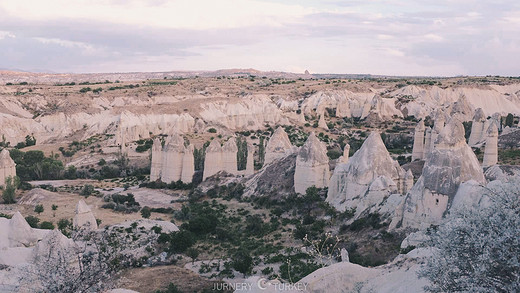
92, 137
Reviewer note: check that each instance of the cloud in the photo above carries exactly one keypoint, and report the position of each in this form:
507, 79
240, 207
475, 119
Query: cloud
179, 14
396, 37
4, 34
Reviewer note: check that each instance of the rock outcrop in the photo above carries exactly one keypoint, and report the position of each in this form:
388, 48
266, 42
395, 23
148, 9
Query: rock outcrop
188, 164
250, 112
425, 137
424, 101
84, 218
229, 156
400, 275
278, 146
173, 152
461, 109
7, 166
427, 141
250, 164
491, 148
213, 160
54, 245
350, 104
20, 234
312, 165
477, 127
344, 158
322, 123
173, 162
418, 142
369, 179
157, 160
450, 163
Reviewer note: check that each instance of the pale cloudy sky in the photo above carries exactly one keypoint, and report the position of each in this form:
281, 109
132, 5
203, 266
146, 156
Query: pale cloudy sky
392, 37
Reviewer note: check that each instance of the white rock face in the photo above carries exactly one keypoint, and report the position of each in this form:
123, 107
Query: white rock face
368, 179
157, 160
278, 146
84, 218
53, 245
133, 127
173, 152
251, 112
19, 233
321, 123
312, 165
350, 104
477, 127
501, 99
213, 160
173, 162
418, 142
451, 163
344, 158
229, 156
343, 109
471, 194
250, 164
380, 109
188, 164
461, 109
491, 149
7, 166
398, 276
408, 181
438, 126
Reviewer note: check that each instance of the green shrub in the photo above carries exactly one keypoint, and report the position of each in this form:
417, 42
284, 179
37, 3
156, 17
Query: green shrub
9, 193
32, 221
180, 241
47, 225
38, 209
146, 212
87, 190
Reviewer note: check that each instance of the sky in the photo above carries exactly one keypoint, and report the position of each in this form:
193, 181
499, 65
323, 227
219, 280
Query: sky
386, 37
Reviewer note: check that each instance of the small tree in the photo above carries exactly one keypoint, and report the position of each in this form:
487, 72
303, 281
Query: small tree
90, 264
32, 221
9, 193
146, 212
509, 120
476, 250
38, 209
242, 262
192, 253
87, 190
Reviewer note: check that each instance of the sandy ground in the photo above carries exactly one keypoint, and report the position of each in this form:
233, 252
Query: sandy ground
67, 202
150, 279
